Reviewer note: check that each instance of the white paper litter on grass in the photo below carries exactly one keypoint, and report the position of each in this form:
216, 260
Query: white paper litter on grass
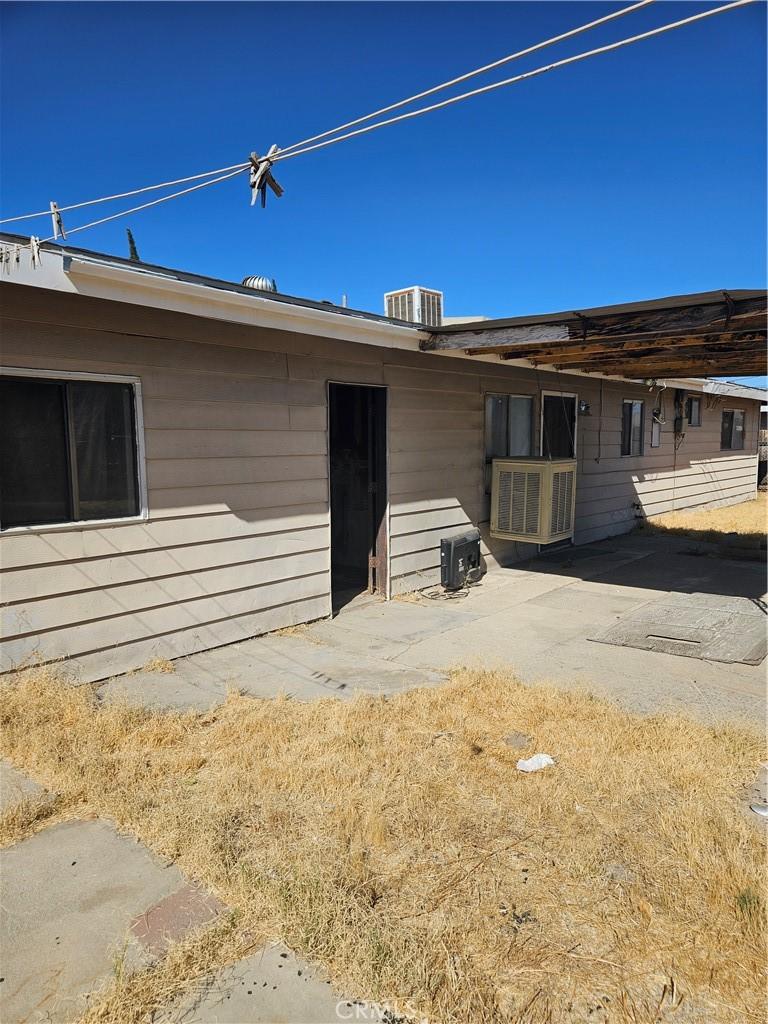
535, 763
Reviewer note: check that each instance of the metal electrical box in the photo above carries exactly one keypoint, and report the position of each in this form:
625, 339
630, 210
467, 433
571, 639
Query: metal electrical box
460, 559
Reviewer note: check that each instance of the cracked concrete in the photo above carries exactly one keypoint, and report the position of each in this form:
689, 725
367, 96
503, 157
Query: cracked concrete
69, 894
535, 618
79, 896
270, 987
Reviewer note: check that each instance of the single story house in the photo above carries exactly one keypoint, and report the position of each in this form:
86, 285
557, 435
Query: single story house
186, 462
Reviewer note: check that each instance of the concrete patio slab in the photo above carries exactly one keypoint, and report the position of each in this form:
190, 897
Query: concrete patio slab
534, 618
69, 895
164, 691
294, 665
711, 628
270, 987
16, 787
339, 673
399, 621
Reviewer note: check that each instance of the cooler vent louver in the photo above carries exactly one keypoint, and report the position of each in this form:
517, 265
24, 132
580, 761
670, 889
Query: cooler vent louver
533, 499
415, 305
562, 502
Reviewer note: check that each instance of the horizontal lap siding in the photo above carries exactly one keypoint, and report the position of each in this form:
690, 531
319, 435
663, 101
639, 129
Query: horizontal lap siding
237, 542
436, 478
614, 492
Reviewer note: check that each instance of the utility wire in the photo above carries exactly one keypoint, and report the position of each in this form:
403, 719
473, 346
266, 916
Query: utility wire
134, 192
299, 148
153, 202
349, 124
283, 155
471, 74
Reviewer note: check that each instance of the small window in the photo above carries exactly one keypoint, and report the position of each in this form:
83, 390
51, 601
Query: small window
632, 418
693, 411
67, 451
508, 429
732, 430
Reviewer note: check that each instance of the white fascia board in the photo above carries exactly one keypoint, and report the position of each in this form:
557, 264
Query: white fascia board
102, 280
718, 387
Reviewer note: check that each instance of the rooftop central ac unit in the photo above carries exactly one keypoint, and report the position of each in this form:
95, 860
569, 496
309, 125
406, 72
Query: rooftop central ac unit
533, 500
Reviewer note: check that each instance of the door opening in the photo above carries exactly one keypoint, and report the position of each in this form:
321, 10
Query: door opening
558, 425
558, 438
357, 425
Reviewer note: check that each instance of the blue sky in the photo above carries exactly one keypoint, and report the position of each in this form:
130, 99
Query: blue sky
633, 175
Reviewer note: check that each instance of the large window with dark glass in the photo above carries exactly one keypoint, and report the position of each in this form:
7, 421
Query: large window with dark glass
67, 451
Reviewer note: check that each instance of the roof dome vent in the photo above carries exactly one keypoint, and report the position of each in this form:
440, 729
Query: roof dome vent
260, 284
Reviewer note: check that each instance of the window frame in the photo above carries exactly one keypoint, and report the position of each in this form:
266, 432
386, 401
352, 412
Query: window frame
730, 447
141, 469
630, 454
489, 462
688, 408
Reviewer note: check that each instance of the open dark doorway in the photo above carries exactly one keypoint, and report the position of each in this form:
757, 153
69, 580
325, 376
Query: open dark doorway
357, 420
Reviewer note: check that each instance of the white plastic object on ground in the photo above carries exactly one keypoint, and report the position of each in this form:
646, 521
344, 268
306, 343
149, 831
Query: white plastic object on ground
535, 763
759, 809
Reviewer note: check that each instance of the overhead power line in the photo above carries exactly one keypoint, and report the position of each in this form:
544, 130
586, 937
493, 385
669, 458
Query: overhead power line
134, 192
152, 202
473, 74
349, 124
286, 155
324, 139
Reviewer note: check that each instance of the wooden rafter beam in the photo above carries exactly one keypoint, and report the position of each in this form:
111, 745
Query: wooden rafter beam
565, 354
710, 347
686, 368
671, 321
738, 326
711, 354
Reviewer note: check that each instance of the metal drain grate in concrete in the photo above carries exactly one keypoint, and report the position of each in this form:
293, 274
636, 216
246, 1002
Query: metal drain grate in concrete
706, 626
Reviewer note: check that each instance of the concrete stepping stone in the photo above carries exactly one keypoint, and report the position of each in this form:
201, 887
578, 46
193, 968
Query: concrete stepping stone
270, 987
185, 910
73, 897
15, 787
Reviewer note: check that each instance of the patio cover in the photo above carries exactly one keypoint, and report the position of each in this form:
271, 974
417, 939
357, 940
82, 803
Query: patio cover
709, 334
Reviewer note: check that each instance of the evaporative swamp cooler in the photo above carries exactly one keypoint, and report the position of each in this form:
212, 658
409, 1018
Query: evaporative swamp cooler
533, 500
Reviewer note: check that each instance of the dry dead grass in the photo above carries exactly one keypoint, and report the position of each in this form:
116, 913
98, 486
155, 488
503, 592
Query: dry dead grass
749, 519
159, 665
394, 841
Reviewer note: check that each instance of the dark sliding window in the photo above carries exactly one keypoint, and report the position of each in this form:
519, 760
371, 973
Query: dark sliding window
632, 424
732, 430
67, 451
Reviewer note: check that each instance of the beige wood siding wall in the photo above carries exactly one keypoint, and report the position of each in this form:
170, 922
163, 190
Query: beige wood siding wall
613, 492
237, 541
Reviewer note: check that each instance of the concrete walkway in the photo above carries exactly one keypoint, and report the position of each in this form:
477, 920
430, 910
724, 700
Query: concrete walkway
77, 894
536, 619
78, 897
